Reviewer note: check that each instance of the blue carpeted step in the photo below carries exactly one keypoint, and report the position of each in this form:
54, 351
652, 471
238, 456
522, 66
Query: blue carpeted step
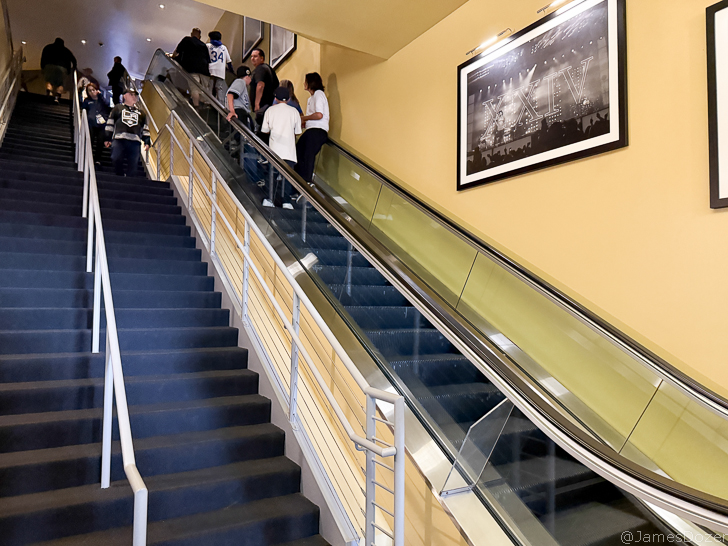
113, 250
75, 394
75, 221
170, 496
50, 367
278, 520
27, 431
41, 160
55, 297
41, 470
80, 234
38, 318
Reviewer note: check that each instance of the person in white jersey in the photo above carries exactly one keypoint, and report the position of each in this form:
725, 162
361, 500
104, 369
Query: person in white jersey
219, 60
317, 127
283, 123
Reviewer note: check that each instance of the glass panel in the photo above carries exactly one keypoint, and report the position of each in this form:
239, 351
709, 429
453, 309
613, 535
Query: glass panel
353, 187
571, 361
556, 500
478, 446
445, 260
675, 430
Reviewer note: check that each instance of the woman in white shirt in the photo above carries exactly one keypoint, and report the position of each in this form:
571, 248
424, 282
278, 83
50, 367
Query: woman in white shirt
317, 127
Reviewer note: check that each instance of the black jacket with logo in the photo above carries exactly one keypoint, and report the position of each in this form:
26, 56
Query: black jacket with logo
128, 123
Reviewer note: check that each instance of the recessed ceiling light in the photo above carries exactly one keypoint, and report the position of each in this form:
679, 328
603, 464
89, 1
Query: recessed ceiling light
83, 42
161, 6
23, 42
149, 39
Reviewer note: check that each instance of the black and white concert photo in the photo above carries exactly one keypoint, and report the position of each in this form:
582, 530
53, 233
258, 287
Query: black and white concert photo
542, 99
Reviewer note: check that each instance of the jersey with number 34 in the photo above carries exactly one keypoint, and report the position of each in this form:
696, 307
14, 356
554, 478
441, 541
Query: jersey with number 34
219, 58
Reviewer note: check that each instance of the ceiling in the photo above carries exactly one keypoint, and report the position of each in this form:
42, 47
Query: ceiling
123, 26
377, 27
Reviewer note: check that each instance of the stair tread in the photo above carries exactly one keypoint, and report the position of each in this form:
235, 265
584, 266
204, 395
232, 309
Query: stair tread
36, 456
197, 525
128, 380
90, 413
70, 496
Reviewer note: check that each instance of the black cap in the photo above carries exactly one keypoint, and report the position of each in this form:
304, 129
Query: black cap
131, 90
243, 71
282, 93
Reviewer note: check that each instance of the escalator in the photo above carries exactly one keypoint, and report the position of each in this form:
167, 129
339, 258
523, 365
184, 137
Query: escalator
394, 318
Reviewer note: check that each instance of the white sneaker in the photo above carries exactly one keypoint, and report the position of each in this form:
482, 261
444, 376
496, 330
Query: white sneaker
287, 206
268, 203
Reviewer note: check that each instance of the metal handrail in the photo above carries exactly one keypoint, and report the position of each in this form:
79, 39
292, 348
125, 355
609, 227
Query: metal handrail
113, 375
300, 298
690, 503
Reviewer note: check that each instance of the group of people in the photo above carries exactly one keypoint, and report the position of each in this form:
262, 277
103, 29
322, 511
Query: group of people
123, 129
260, 101
256, 97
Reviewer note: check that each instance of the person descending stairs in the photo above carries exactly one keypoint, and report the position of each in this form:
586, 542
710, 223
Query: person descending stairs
204, 444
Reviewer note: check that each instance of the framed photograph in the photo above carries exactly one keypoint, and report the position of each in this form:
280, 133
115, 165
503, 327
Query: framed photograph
282, 44
718, 102
252, 35
554, 92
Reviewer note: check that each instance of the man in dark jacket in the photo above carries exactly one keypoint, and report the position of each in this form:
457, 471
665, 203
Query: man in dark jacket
116, 80
127, 129
97, 111
192, 54
57, 62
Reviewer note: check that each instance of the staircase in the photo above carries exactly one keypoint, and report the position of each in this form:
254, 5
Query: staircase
204, 444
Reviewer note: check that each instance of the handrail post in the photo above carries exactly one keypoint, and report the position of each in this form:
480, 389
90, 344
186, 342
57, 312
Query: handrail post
213, 206
95, 332
371, 473
141, 501
399, 472
294, 359
159, 152
246, 272
108, 417
171, 147
192, 174
90, 239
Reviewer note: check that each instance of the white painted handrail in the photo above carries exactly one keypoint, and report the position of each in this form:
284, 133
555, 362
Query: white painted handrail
370, 444
113, 375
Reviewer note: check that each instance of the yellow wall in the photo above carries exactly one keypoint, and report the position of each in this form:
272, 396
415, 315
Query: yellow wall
306, 58
629, 233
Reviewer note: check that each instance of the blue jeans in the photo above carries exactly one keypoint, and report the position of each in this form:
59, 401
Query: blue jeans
125, 149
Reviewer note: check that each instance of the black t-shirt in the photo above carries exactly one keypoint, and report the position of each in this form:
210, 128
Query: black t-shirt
264, 73
193, 56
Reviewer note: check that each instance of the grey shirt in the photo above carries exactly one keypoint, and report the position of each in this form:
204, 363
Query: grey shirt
239, 91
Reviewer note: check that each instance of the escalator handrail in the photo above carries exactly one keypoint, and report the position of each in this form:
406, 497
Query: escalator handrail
688, 502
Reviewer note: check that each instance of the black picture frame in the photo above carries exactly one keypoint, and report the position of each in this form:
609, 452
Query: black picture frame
478, 168
252, 35
278, 57
717, 20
